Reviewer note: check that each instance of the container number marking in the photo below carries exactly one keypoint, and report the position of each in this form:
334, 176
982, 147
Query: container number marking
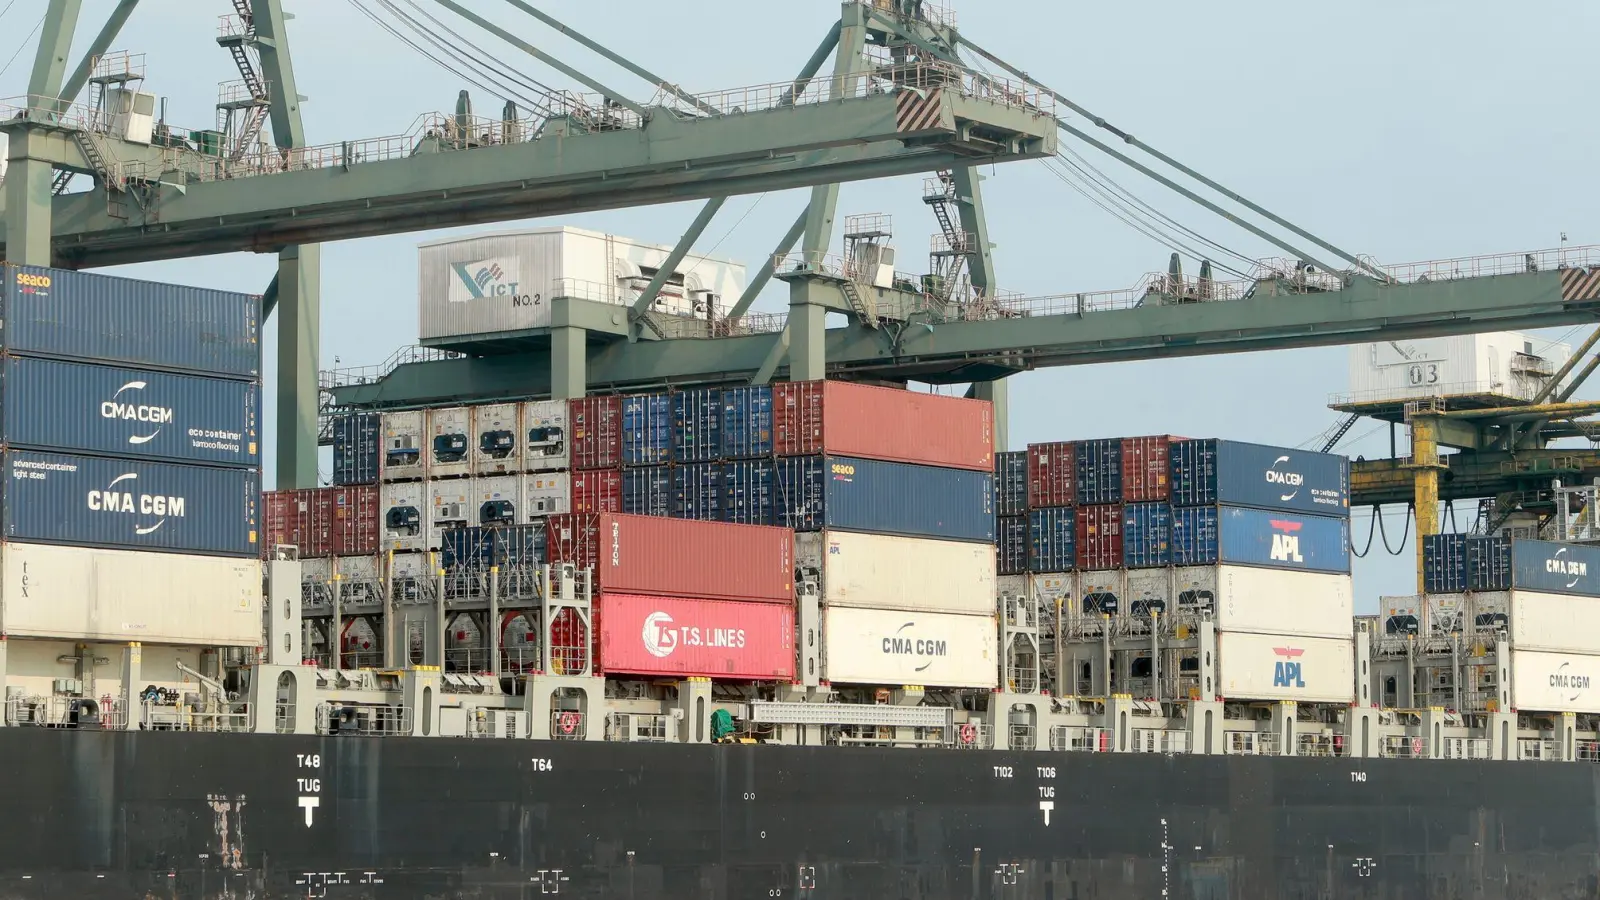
1047, 771
1358, 777
543, 765
309, 789
29, 280
1003, 772
1424, 373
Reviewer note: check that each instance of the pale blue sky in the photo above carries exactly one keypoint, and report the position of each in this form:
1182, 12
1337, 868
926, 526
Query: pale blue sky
1407, 131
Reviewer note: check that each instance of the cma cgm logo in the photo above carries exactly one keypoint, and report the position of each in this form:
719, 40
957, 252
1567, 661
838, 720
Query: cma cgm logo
119, 497
129, 409
1287, 672
1285, 542
1278, 475
902, 644
1568, 683
487, 279
1574, 569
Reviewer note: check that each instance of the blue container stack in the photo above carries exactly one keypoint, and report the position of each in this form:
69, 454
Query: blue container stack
1011, 508
357, 448
1457, 563
647, 491
852, 494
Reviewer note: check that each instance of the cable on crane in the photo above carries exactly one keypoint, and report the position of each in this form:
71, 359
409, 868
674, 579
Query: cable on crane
7, 9
551, 95
394, 32
35, 30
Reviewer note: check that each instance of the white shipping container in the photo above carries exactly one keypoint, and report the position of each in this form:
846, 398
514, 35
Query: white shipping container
449, 506
449, 442
1558, 623
125, 595
360, 579
1504, 365
1273, 601
1101, 593
546, 494
544, 430
1279, 667
411, 576
496, 500
1445, 613
1148, 590
404, 508
497, 439
1555, 682
404, 437
892, 647
882, 571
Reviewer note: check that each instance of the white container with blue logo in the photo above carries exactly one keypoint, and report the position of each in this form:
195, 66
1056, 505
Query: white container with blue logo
1233, 473
1282, 667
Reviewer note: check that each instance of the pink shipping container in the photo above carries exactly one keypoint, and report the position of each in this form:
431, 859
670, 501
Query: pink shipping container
1146, 468
642, 635
303, 518
678, 557
837, 417
597, 491
1100, 536
355, 520
1052, 474
596, 427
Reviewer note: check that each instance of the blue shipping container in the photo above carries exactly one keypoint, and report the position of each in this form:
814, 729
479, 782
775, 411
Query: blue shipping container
1234, 535
1146, 535
1011, 483
697, 425
646, 429
747, 422
357, 448
53, 404
647, 491
507, 546
93, 501
750, 492
1052, 539
1444, 563
1011, 539
1099, 472
1232, 473
697, 491
81, 315
819, 492
1550, 567
1488, 563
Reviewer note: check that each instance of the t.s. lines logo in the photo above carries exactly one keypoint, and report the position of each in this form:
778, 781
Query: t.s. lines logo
488, 279
662, 635
659, 637
1286, 541
1288, 482
1287, 673
119, 498
1561, 564
129, 409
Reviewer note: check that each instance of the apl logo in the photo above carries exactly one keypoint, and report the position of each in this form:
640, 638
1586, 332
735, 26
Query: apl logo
122, 410
899, 644
1285, 480
115, 500
1287, 673
659, 636
1573, 568
1285, 542
489, 278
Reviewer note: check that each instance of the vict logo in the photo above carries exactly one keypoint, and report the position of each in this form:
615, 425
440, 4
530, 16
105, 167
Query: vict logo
1279, 474
1573, 569
124, 501
487, 279
129, 409
1285, 541
660, 639
1287, 672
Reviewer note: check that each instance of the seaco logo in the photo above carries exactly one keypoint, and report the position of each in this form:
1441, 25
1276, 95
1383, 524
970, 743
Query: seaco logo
1571, 569
128, 409
925, 649
121, 498
1569, 683
1287, 482
1285, 541
1287, 672
488, 279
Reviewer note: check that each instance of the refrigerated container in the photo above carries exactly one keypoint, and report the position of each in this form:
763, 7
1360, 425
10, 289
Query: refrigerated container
449, 442
1011, 483
1011, 544
1098, 468
852, 494
117, 596
404, 436
546, 494
450, 505
857, 420
1260, 537
696, 425
1103, 592
62, 498
686, 637
747, 422
595, 424
1053, 539
1232, 473
496, 500
750, 492
596, 491
1555, 682
299, 518
1555, 568
354, 530
360, 578
85, 315
497, 442
1052, 474
646, 429
1268, 601
506, 546
1098, 537
1558, 623
893, 648
1146, 535
647, 491
1279, 667
697, 491
404, 508
1146, 468
357, 448
678, 557
1444, 563
545, 431
888, 571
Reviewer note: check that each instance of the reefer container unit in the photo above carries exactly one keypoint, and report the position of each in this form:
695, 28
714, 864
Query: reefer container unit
299, 518
1011, 544
597, 491
685, 637
1260, 537
404, 436
404, 510
1444, 564
1488, 563
449, 506
1267, 601
1147, 468
647, 491
355, 520
696, 425
497, 441
678, 557
1098, 537
1052, 474
546, 494
60, 498
697, 491
747, 422
1557, 623
1555, 568
1232, 473
1053, 539
887, 571
48, 404
750, 492
357, 448
596, 427
646, 429
892, 647
496, 500
506, 546
868, 422
1146, 535
83, 593
1011, 483
852, 494
1098, 469
1555, 682
544, 429
1279, 667
450, 442
82, 315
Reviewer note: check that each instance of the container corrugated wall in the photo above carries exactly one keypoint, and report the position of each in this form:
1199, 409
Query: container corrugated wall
597, 491
1011, 539
647, 491
697, 425
1488, 563
1555, 568
59, 312
697, 491
750, 492
1285, 540
853, 494
1052, 475
1146, 535
1099, 537
1146, 468
1011, 483
357, 448
476, 547
596, 424
747, 422
1232, 473
863, 421
684, 637
299, 518
890, 571
646, 429
1053, 539
1099, 472
354, 531
890, 647
1444, 563
679, 557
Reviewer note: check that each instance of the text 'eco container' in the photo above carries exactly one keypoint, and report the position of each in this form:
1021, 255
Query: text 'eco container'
678, 557
894, 647
1011, 483
596, 428
683, 637
1232, 473
853, 494
77, 407
837, 417
60, 312
1555, 568
889, 571
1260, 537
135, 505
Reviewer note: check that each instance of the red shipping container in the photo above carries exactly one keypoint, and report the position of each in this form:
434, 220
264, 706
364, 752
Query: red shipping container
1052, 474
596, 427
1146, 472
813, 417
681, 637
597, 491
303, 518
678, 557
1100, 536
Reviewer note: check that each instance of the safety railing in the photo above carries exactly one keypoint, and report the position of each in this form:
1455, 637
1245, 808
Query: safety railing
1588, 751
1079, 738
1252, 743
1020, 737
1320, 745
351, 375
368, 720
1444, 391
971, 736
933, 12
57, 711
750, 323
833, 265
1538, 749
1495, 264
646, 728
568, 725
1403, 746
231, 26
579, 289
1159, 740
1464, 748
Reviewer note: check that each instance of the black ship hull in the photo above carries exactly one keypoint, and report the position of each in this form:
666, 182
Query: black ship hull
89, 814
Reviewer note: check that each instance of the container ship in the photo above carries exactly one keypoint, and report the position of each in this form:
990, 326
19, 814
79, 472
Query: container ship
815, 639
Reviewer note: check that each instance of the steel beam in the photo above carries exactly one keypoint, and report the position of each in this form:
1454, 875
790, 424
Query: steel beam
28, 195
97, 48
1470, 476
763, 275
675, 258
55, 42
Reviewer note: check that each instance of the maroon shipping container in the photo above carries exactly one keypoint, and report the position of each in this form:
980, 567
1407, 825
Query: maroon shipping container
596, 427
303, 518
675, 636
597, 491
355, 520
1146, 474
678, 557
1100, 536
1052, 474
837, 417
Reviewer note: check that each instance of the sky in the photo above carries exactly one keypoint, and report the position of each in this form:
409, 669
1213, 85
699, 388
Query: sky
1404, 131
